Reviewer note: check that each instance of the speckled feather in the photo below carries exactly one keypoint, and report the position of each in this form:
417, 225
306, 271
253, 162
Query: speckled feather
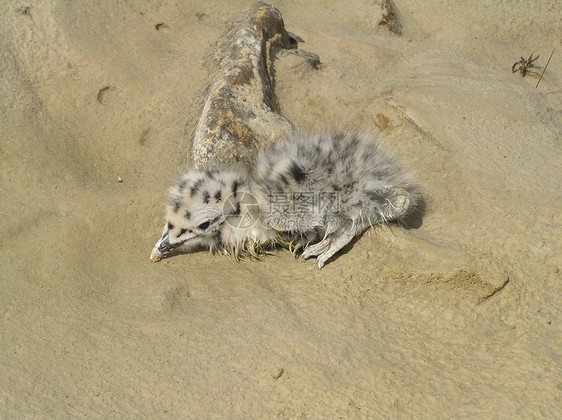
353, 166
367, 184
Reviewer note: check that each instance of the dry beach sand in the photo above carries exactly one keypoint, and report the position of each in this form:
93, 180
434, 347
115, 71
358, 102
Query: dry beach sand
456, 317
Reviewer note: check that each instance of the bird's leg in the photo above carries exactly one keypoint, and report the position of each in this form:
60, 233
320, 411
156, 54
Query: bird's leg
392, 204
317, 248
335, 241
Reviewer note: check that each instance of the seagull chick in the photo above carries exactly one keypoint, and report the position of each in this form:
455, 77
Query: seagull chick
311, 193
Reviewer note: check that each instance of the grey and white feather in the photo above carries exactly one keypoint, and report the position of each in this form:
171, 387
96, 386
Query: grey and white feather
312, 193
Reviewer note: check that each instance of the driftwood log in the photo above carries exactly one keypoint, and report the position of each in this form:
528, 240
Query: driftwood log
240, 114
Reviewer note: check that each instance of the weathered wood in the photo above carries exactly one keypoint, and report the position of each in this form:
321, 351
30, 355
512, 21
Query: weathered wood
240, 114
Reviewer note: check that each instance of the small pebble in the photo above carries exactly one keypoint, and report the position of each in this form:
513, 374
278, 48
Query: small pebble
381, 121
277, 372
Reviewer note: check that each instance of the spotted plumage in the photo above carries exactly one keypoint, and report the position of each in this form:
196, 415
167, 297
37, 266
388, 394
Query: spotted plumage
312, 193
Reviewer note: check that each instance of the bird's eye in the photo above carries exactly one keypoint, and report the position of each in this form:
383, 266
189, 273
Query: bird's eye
204, 225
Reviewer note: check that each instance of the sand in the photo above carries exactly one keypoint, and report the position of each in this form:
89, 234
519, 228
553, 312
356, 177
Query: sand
456, 317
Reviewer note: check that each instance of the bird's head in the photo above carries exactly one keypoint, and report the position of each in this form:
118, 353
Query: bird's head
196, 209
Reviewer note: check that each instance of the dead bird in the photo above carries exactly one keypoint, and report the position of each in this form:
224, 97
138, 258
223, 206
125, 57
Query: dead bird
312, 193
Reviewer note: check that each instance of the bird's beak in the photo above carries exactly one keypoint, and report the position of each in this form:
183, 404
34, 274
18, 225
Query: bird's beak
162, 247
